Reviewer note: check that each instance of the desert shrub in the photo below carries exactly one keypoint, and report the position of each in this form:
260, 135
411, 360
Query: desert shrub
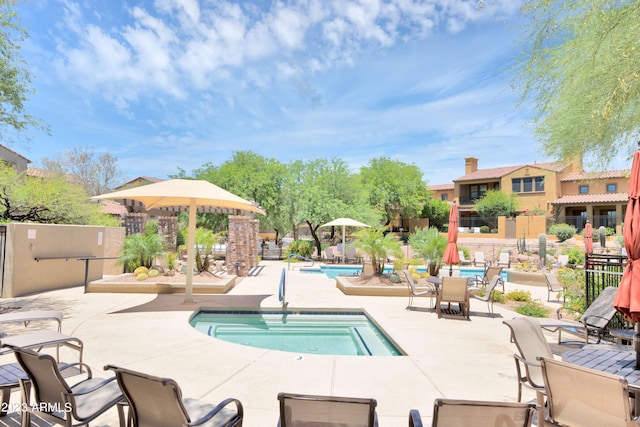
300, 247
484, 229
563, 231
576, 255
395, 278
518, 295
573, 282
533, 309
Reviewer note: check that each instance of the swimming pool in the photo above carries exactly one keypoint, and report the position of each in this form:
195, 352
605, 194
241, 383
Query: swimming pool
309, 331
333, 270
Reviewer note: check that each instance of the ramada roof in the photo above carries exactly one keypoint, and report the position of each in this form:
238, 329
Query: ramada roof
494, 173
112, 208
575, 199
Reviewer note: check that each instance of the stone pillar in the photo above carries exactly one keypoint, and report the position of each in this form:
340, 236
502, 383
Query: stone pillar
242, 245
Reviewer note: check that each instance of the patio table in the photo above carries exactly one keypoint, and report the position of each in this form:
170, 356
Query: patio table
613, 361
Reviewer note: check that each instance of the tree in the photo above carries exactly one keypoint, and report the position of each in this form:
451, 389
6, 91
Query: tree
98, 174
378, 245
394, 188
496, 203
50, 200
437, 211
580, 70
15, 78
140, 250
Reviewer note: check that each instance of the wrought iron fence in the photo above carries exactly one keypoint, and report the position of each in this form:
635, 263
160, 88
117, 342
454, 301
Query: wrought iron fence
602, 270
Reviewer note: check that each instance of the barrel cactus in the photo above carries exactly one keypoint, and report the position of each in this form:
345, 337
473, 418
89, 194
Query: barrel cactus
542, 250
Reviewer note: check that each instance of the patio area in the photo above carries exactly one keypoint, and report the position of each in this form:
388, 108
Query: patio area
448, 357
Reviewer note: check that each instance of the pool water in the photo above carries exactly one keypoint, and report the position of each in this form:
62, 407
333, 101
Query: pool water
311, 332
333, 271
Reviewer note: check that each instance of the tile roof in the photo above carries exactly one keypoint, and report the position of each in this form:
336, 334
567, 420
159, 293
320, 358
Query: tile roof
441, 187
576, 199
494, 173
112, 208
45, 173
586, 176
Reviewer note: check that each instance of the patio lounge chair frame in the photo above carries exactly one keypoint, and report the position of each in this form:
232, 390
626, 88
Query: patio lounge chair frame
504, 260
454, 413
58, 402
489, 291
489, 273
596, 318
531, 343
463, 260
156, 402
414, 292
326, 411
553, 285
570, 396
479, 258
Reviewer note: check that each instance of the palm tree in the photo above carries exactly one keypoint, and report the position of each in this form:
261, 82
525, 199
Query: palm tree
430, 244
378, 245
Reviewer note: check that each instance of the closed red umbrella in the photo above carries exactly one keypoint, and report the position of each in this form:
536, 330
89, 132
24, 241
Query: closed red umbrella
451, 256
588, 241
627, 299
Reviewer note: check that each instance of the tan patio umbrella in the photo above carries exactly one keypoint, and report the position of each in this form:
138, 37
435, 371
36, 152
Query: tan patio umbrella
344, 222
188, 195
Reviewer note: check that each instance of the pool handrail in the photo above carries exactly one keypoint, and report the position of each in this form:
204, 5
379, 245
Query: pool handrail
282, 289
299, 257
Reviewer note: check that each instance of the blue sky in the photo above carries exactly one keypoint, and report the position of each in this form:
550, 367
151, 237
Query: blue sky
178, 83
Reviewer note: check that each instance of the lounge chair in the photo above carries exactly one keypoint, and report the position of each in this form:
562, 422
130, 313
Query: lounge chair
553, 285
158, 402
488, 292
582, 397
326, 411
413, 291
454, 413
596, 318
531, 344
463, 260
58, 402
504, 260
489, 273
478, 259
328, 255
351, 255
453, 290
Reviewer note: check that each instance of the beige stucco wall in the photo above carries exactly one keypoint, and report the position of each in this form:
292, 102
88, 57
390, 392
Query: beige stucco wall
596, 186
534, 199
62, 245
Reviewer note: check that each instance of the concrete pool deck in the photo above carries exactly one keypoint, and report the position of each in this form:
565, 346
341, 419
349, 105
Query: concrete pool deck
448, 357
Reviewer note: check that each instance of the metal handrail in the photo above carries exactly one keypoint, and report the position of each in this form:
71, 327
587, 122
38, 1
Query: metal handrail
299, 257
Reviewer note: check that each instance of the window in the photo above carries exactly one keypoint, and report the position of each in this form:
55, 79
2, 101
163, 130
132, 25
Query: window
444, 197
583, 189
612, 188
515, 185
477, 191
527, 185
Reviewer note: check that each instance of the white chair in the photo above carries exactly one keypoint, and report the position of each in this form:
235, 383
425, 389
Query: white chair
504, 260
478, 259
463, 260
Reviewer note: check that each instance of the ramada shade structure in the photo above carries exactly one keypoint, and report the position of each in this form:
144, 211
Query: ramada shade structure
187, 195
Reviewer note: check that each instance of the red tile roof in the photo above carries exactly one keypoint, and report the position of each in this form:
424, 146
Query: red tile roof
441, 187
495, 173
586, 176
112, 208
45, 173
577, 199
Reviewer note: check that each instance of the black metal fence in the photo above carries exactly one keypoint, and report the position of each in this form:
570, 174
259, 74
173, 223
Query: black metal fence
604, 270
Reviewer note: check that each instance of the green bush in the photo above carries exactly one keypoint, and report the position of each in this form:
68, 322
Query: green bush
563, 231
484, 229
576, 255
300, 247
573, 282
532, 309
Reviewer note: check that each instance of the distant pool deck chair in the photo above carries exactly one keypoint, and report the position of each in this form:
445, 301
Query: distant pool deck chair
478, 259
463, 260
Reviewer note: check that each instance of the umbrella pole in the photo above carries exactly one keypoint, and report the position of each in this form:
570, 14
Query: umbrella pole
636, 344
344, 248
191, 243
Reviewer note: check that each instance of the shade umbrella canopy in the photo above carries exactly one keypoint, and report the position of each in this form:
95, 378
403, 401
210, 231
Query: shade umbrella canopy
627, 299
344, 222
588, 238
189, 194
451, 256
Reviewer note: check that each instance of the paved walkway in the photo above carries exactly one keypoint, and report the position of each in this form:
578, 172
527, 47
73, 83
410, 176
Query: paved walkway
448, 357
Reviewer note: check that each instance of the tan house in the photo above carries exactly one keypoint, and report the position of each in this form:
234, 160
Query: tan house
560, 190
